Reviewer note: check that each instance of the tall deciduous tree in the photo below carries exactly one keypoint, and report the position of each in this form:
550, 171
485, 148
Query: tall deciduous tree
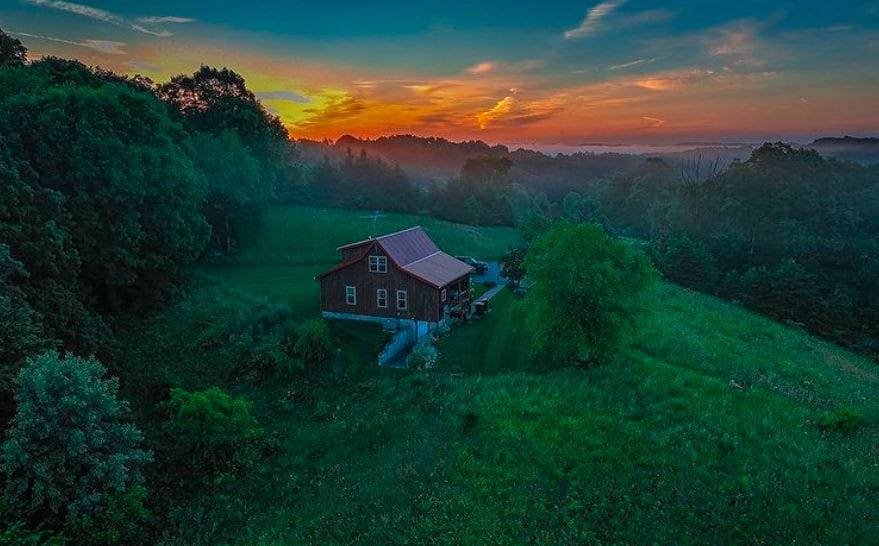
587, 290
131, 192
236, 194
12, 52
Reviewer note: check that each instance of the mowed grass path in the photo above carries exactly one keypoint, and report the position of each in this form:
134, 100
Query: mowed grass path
297, 243
706, 429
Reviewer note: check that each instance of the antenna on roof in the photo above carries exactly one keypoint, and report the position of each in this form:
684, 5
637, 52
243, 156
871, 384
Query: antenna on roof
375, 216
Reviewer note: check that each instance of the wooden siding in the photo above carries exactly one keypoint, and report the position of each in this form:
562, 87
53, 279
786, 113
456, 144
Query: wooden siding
424, 300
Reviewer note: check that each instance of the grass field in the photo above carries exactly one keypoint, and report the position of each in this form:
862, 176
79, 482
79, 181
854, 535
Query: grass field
713, 425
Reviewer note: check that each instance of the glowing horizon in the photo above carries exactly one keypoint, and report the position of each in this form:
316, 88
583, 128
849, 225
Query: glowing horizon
615, 71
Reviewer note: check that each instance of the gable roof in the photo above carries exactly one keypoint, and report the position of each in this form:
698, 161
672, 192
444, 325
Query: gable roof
415, 253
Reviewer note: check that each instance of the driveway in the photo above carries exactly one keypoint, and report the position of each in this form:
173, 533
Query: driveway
492, 274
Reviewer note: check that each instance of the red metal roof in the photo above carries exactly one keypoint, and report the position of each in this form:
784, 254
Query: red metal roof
438, 269
415, 253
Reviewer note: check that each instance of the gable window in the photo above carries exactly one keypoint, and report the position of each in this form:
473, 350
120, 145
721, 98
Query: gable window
381, 298
443, 295
351, 295
378, 264
402, 300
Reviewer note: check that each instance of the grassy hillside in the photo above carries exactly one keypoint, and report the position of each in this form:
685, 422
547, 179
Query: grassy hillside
714, 425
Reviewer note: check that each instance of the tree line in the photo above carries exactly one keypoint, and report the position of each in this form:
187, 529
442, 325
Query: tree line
112, 186
787, 232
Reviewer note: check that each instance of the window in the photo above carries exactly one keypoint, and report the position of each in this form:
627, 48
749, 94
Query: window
443, 295
381, 298
378, 264
351, 295
402, 300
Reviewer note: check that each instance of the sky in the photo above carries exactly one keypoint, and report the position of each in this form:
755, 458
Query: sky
511, 72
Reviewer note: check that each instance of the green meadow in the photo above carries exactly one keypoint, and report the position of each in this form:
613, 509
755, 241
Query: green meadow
713, 425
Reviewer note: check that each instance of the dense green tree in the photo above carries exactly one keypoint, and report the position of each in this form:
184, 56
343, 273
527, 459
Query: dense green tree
217, 100
236, 192
687, 262
211, 436
513, 265
483, 192
12, 52
21, 331
132, 195
578, 208
586, 290
69, 446
35, 227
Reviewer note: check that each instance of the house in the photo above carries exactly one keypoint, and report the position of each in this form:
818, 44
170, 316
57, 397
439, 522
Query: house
402, 276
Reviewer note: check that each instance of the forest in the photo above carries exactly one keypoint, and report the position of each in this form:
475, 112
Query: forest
141, 403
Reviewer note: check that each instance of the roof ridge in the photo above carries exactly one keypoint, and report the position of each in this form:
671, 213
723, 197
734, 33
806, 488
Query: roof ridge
396, 232
423, 258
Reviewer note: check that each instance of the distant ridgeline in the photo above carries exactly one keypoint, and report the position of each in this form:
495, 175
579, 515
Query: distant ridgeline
863, 150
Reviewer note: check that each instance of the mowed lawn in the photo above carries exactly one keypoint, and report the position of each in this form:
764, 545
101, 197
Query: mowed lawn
713, 425
297, 243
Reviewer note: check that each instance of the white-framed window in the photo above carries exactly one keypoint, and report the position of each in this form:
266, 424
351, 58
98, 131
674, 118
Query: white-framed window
402, 300
381, 298
378, 264
351, 295
443, 295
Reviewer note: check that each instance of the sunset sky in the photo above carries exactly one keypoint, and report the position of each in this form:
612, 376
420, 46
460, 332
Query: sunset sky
513, 72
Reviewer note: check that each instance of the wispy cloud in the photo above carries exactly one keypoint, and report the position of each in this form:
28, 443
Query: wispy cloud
604, 17
633, 63
654, 123
104, 46
482, 68
112, 18
165, 19
291, 96
592, 23
501, 108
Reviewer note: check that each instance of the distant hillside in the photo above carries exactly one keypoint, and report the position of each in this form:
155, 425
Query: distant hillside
863, 150
428, 160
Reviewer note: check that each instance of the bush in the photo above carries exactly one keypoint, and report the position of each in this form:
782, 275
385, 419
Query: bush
315, 345
211, 436
17, 534
843, 418
424, 357
68, 449
122, 521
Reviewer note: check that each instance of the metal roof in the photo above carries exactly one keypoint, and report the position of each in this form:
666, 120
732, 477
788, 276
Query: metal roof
415, 253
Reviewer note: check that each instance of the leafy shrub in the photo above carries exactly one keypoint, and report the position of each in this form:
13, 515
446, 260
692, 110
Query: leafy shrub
68, 449
843, 418
688, 262
122, 521
424, 357
17, 534
315, 345
212, 436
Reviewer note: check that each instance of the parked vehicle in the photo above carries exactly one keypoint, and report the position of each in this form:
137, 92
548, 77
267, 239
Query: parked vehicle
480, 267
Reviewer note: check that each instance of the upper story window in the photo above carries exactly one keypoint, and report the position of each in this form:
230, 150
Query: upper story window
351, 295
381, 298
444, 295
378, 264
402, 300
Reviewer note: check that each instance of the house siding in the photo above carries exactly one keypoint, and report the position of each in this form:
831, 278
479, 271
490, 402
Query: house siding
424, 300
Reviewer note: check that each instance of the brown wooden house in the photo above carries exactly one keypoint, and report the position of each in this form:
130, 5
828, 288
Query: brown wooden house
402, 275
